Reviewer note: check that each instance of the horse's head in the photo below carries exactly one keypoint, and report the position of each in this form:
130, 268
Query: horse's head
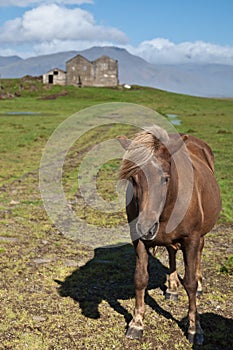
147, 165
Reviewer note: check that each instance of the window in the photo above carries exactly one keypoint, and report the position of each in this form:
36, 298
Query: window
104, 66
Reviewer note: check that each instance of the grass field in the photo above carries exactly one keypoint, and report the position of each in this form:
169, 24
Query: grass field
59, 294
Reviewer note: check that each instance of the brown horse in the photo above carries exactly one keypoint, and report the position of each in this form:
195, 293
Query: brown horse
173, 200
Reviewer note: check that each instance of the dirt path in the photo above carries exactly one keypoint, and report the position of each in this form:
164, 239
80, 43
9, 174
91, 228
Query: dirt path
58, 294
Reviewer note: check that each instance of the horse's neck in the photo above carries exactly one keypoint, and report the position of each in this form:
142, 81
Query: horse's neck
180, 188
172, 193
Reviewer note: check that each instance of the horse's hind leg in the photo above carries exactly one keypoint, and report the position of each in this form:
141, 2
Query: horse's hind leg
191, 250
199, 273
173, 283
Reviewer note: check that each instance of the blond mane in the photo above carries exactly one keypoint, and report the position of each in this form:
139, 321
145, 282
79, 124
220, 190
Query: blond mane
142, 149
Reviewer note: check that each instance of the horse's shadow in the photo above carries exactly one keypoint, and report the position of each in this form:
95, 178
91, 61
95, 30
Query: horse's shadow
109, 276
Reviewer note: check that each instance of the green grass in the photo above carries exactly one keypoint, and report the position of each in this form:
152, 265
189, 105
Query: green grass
57, 294
227, 268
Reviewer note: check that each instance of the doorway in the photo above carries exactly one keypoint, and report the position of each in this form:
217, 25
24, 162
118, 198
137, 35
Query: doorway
50, 78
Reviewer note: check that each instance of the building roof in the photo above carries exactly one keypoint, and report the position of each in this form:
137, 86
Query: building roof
104, 57
79, 56
56, 69
91, 62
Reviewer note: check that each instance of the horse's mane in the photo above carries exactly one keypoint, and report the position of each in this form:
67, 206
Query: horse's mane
142, 149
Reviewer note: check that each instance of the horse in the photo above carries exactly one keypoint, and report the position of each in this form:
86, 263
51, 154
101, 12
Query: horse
172, 200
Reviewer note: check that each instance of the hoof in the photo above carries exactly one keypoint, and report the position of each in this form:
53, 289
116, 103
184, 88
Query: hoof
196, 339
199, 293
171, 296
134, 332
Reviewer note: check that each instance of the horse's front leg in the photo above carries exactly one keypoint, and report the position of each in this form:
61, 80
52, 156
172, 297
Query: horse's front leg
141, 276
190, 252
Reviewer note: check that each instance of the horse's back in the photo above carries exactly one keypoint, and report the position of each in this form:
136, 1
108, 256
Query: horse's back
206, 189
199, 149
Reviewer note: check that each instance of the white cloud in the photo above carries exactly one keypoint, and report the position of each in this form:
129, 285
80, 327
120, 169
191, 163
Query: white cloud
47, 23
26, 3
160, 50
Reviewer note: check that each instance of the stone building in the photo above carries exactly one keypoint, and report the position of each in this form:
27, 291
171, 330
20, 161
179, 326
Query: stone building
55, 76
81, 72
101, 72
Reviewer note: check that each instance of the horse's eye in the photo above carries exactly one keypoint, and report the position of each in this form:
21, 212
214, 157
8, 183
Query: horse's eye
165, 180
133, 182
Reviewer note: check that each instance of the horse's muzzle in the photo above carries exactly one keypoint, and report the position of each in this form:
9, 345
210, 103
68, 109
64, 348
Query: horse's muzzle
145, 234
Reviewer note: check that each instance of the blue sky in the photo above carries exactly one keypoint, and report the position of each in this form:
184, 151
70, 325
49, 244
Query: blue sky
177, 20
168, 31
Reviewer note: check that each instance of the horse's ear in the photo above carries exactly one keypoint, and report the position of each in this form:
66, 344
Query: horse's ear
124, 141
173, 146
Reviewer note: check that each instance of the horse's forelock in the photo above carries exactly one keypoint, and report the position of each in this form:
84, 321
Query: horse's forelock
158, 133
141, 149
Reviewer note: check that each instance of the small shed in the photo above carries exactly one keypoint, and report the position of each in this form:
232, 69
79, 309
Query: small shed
55, 76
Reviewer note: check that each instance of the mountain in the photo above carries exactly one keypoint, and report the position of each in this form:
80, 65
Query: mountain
207, 80
6, 60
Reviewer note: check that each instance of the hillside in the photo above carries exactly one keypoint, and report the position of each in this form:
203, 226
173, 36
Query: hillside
208, 80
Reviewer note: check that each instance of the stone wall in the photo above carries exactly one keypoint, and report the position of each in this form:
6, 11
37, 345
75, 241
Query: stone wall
80, 71
106, 71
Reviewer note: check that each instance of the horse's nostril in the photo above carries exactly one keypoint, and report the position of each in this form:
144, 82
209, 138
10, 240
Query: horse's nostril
153, 230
